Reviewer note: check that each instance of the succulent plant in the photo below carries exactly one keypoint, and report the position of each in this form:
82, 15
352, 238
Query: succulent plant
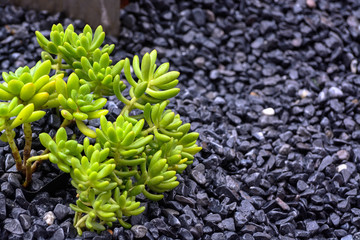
139, 153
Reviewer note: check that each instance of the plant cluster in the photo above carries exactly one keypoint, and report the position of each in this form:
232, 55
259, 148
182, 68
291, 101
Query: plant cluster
140, 153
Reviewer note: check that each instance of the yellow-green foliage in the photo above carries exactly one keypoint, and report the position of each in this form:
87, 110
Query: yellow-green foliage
135, 154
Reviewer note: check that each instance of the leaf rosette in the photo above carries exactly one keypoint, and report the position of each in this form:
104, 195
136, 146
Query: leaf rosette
124, 140
78, 103
153, 85
31, 86
92, 170
62, 150
71, 46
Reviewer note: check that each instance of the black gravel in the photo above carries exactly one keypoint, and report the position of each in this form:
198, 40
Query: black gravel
271, 86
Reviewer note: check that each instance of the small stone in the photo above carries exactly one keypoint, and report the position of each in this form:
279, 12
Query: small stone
246, 207
16, 211
262, 236
341, 167
285, 149
2, 206
325, 162
335, 92
259, 136
58, 235
173, 221
199, 16
52, 229
353, 66
218, 236
228, 224
7, 189
219, 101
185, 220
286, 228
303, 93
198, 174
213, 218
186, 200
240, 218
129, 21
257, 43
312, 226
9, 161
14, 180
344, 206
189, 37
162, 227
25, 221
20, 199
311, 3
296, 42
69, 229
268, 111
185, 234
139, 231
356, 236
282, 204
348, 237
202, 198
61, 211
335, 219
349, 124
343, 154
301, 185
13, 226
49, 218
199, 62
309, 111
302, 233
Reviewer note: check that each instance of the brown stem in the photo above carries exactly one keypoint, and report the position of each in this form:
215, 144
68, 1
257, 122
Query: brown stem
28, 142
14, 149
28, 175
29, 171
34, 166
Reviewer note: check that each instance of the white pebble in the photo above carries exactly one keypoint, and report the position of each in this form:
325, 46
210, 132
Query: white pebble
268, 111
303, 93
49, 218
341, 167
353, 66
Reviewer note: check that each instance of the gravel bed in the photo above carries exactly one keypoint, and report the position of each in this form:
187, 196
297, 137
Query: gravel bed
273, 89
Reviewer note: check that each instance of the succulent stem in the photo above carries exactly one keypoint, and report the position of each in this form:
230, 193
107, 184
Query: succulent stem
129, 106
29, 167
147, 131
59, 65
81, 220
116, 179
37, 158
14, 149
117, 156
28, 141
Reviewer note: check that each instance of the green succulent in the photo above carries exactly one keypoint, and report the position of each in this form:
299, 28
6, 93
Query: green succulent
83, 55
78, 103
31, 86
123, 138
99, 74
153, 85
71, 46
139, 153
15, 114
